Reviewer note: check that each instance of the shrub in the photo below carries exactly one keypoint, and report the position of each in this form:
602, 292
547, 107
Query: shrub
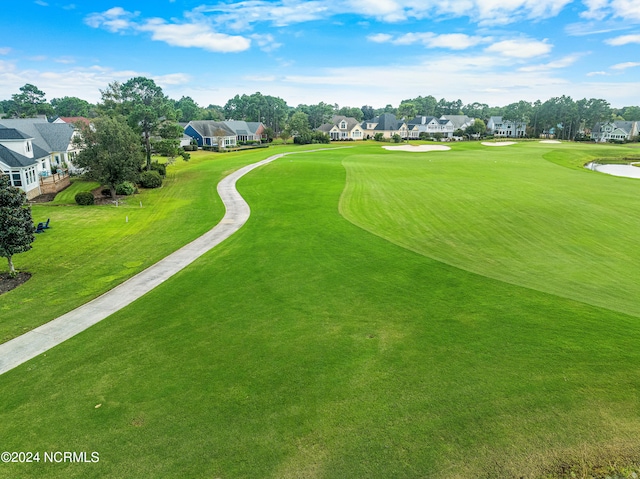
161, 168
185, 156
84, 198
312, 137
125, 188
378, 137
150, 179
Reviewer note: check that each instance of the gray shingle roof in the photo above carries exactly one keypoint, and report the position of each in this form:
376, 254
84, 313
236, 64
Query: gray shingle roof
13, 159
48, 136
209, 128
12, 134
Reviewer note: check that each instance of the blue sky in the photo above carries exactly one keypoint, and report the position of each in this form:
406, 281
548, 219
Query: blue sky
350, 52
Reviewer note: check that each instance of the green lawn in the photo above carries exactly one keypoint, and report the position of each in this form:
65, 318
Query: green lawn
90, 249
305, 346
68, 195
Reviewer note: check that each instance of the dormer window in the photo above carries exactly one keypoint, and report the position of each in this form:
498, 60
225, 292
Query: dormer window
28, 146
343, 125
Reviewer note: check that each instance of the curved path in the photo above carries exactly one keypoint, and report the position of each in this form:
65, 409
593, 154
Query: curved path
37, 341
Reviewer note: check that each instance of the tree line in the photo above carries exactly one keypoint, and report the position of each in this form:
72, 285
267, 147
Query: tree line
563, 115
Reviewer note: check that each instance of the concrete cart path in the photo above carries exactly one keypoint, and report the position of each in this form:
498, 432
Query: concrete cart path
37, 341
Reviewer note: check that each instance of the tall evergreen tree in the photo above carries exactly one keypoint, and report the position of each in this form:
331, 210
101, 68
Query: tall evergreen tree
16, 224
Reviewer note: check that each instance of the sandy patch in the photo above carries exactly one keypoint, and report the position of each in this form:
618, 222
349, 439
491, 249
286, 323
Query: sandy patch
418, 148
550, 141
498, 143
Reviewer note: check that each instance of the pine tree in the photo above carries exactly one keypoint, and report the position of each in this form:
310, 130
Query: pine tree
16, 225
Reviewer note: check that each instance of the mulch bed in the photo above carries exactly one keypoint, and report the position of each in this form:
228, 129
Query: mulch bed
7, 283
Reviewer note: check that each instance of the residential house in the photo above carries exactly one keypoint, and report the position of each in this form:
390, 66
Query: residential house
22, 161
387, 124
460, 122
210, 133
343, 128
499, 127
54, 138
247, 130
615, 130
432, 125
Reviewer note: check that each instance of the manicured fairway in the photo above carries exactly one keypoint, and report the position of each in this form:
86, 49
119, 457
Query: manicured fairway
510, 214
306, 346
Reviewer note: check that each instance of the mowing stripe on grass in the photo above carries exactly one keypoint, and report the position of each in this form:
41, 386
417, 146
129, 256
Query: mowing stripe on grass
35, 342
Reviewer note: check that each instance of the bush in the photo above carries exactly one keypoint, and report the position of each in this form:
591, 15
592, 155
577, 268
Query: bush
185, 156
312, 137
161, 168
84, 198
150, 179
378, 136
125, 188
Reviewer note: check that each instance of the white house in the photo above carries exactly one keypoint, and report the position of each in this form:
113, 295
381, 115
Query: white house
343, 128
615, 130
22, 161
54, 138
499, 127
432, 125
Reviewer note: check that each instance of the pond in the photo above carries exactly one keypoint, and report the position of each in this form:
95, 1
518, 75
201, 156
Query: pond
628, 171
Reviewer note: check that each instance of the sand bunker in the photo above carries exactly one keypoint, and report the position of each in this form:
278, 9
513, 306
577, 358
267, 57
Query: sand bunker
417, 149
498, 143
550, 141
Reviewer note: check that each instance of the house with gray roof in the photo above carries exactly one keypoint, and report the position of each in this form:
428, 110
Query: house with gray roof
21, 160
615, 130
342, 128
211, 134
54, 138
387, 124
460, 122
431, 125
246, 130
498, 126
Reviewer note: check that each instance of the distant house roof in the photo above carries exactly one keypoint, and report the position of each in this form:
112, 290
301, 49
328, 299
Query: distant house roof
73, 119
211, 129
386, 122
458, 120
49, 137
421, 120
336, 120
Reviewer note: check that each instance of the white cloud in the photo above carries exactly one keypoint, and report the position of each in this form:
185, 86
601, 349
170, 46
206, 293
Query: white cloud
629, 10
623, 40
114, 20
194, 35
595, 74
453, 41
242, 14
266, 42
625, 65
520, 48
563, 62
187, 35
5, 50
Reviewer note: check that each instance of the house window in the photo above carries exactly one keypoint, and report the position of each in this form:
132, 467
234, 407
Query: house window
28, 146
16, 180
343, 125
